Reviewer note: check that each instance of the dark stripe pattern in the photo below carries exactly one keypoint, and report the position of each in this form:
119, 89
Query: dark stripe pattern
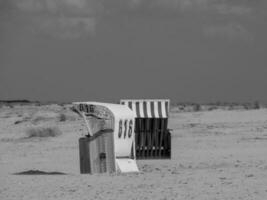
161, 105
159, 109
145, 109
130, 104
152, 109
137, 109
167, 108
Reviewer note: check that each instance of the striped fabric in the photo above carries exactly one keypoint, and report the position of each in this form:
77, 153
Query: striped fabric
148, 108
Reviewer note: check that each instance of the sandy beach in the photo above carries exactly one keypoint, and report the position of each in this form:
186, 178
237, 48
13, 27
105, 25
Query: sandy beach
215, 155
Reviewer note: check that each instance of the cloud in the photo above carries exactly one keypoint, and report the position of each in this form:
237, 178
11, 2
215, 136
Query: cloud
216, 6
228, 31
65, 7
65, 27
72, 19
64, 19
233, 9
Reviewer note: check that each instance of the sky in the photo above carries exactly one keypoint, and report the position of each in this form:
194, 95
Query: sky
92, 50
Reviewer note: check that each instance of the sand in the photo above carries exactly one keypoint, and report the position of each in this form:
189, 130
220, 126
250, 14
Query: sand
215, 155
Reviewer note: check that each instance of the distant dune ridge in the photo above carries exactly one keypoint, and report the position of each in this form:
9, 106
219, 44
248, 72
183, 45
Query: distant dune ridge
181, 106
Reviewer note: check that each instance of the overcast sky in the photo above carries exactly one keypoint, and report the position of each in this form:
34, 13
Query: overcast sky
185, 50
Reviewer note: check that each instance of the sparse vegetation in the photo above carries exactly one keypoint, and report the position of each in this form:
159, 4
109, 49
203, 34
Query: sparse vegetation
256, 105
212, 108
62, 117
197, 107
18, 122
219, 105
43, 132
39, 119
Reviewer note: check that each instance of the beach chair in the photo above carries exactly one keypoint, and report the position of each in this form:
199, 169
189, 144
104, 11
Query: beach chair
152, 136
109, 145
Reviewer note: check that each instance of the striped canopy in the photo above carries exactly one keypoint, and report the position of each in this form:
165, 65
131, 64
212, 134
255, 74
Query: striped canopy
148, 108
